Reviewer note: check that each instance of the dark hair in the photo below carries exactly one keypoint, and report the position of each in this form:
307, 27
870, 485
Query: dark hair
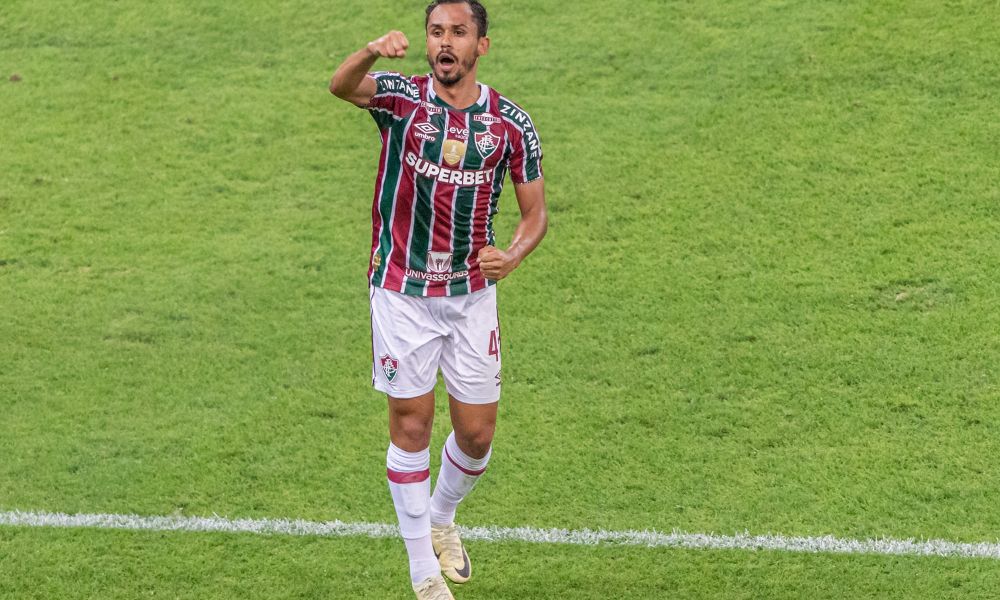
478, 13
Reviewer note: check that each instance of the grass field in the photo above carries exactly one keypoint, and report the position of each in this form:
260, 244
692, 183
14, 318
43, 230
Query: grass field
768, 300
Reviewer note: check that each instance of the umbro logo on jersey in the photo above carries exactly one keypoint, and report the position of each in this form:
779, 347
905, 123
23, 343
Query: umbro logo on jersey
426, 131
427, 128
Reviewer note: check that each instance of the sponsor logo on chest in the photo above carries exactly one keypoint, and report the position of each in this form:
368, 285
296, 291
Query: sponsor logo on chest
461, 177
412, 274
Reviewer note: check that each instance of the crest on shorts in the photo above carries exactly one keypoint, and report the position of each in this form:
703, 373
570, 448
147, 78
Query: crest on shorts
454, 151
487, 143
439, 262
390, 366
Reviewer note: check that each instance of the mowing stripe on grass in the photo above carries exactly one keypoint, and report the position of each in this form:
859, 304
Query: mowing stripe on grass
581, 537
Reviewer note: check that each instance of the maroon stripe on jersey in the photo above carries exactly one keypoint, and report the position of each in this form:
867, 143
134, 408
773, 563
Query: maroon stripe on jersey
402, 220
444, 200
445, 195
461, 468
408, 476
484, 196
413, 201
522, 171
376, 215
453, 227
480, 217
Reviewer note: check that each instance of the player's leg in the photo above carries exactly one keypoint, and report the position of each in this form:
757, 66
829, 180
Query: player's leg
470, 361
464, 457
408, 464
406, 348
463, 461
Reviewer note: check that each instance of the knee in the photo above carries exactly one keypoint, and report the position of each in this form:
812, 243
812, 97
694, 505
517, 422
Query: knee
414, 431
476, 443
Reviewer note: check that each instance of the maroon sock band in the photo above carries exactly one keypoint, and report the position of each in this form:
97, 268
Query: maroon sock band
407, 476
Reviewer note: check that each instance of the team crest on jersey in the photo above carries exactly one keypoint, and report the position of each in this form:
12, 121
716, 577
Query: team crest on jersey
438, 262
454, 151
390, 366
487, 143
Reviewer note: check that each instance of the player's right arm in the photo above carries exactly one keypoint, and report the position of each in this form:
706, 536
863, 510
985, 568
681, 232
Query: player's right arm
351, 81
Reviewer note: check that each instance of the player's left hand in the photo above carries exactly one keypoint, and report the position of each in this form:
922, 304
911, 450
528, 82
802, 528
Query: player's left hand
496, 264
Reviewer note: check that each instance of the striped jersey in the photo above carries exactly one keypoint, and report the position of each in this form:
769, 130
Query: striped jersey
439, 179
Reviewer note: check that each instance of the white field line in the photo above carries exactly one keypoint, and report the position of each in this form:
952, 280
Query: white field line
580, 537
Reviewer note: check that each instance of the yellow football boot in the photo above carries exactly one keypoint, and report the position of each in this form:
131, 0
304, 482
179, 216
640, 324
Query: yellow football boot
451, 553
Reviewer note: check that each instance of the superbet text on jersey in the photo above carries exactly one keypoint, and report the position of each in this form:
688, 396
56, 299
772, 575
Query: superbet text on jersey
440, 175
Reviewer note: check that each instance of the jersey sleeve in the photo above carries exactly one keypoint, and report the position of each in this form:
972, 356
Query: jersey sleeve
395, 96
526, 148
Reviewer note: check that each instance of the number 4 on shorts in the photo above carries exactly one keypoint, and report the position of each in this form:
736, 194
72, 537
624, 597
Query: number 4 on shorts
495, 344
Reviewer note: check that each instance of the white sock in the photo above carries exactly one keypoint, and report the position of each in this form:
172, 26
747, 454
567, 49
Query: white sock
459, 473
410, 485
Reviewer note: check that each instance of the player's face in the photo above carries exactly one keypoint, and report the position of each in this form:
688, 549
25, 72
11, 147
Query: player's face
453, 43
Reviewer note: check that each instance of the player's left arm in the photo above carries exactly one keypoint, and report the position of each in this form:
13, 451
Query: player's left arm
496, 264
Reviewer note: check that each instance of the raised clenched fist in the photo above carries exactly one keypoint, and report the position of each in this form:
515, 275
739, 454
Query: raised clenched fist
496, 264
390, 45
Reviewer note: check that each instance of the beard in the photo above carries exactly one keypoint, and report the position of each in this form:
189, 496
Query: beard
462, 68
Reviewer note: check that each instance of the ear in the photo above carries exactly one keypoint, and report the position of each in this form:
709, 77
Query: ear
484, 45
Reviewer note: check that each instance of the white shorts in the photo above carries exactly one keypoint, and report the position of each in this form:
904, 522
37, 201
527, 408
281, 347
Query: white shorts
412, 336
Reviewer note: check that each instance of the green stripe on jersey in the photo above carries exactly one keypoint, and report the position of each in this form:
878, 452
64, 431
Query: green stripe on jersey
387, 200
423, 209
495, 201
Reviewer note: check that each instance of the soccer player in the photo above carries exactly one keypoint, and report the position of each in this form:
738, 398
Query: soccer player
447, 143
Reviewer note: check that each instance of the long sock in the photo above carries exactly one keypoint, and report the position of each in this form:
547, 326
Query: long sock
410, 485
459, 473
